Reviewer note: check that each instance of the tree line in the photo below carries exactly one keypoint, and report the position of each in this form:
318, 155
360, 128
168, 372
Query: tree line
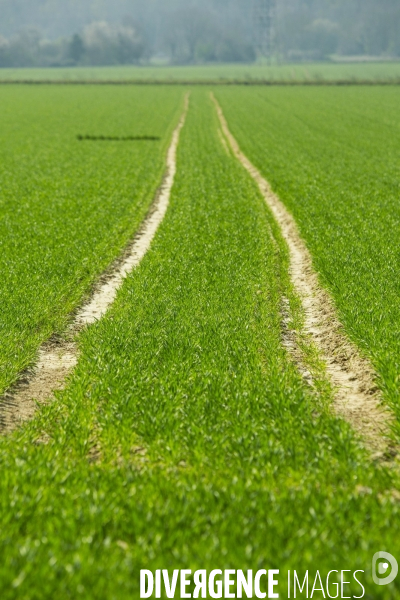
189, 32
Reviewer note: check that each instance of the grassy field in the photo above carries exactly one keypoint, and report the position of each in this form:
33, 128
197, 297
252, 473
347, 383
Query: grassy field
68, 207
333, 156
317, 72
186, 437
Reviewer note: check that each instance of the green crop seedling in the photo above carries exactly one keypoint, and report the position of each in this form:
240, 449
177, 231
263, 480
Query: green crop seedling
333, 156
186, 437
66, 208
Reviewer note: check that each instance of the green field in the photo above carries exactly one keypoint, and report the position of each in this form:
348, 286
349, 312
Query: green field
313, 72
68, 207
333, 156
186, 437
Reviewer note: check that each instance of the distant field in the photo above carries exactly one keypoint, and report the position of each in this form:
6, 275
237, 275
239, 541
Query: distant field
333, 156
315, 72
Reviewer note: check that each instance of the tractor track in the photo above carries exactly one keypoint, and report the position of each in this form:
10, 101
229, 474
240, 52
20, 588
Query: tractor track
58, 357
356, 395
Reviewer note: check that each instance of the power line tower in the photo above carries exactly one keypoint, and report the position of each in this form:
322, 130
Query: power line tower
264, 15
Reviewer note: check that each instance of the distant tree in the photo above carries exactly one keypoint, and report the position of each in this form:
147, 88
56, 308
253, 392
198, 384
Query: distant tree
197, 29
4, 52
76, 48
322, 27
107, 44
235, 50
194, 34
24, 49
322, 36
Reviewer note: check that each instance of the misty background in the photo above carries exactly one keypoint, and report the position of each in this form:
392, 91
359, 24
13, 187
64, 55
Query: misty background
109, 32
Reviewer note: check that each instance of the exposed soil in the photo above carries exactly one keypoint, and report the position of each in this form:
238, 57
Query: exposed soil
357, 397
57, 358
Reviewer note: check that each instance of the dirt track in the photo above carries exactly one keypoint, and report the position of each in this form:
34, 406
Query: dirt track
58, 358
356, 395
357, 398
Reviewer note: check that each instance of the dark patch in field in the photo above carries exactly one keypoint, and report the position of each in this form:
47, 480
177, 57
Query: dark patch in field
116, 138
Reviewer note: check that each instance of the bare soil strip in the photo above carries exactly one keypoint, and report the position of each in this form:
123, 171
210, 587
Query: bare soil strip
356, 397
57, 358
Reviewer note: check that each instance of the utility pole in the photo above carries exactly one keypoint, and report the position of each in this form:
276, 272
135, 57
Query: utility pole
264, 14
